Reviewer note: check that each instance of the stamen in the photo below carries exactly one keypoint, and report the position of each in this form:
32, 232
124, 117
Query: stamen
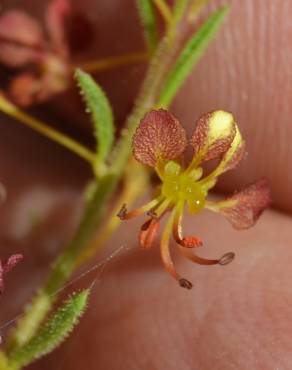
150, 228
123, 214
184, 283
152, 214
177, 222
199, 260
191, 242
161, 209
148, 233
187, 241
166, 257
226, 258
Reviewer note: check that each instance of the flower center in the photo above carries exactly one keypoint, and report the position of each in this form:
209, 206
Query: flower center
181, 186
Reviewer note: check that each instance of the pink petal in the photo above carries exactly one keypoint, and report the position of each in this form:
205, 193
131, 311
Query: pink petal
213, 135
245, 207
29, 88
18, 27
16, 56
57, 12
24, 89
159, 137
11, 262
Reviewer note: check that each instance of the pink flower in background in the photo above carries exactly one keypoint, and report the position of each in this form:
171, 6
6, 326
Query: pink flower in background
6, 266
43, 61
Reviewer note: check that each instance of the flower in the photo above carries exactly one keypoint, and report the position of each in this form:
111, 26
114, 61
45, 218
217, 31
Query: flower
45, 62
160, 142
6, 266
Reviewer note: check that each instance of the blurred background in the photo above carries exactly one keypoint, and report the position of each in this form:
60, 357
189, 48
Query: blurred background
247, 70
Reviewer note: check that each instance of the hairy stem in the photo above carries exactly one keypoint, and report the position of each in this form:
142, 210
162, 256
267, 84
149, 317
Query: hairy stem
63, 266
146, 100
136, 178
164, 10
106, 185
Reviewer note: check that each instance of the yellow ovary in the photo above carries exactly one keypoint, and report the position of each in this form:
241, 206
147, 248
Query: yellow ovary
182, 187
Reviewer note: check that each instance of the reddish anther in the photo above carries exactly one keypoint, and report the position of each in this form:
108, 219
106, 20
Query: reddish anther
184, 283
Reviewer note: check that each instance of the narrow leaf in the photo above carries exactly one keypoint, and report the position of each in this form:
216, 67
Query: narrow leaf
52, 333
190, 55
148, 19
99, 107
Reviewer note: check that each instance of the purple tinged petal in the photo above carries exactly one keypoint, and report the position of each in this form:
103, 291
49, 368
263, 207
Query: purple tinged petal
19, 27
159, 137
17, 56
213, 135
244, 207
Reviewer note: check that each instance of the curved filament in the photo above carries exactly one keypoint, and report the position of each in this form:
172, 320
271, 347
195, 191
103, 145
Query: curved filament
188, 241
224, 260
123, 214
166, 257
148, 233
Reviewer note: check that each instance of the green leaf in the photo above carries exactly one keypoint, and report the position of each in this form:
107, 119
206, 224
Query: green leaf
190, 55
148, 19
52, 333
99, 107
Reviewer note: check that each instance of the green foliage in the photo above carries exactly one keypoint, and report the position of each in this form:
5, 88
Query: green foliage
52, 333
179, 7
89, 191
148, 19
3, 362
31, 339
99, 107
190, 55
28, 323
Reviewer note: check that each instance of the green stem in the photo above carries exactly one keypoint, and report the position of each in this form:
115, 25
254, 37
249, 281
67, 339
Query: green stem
63, 266
146, 100
66, 263
3, 362
13, 111
164, 10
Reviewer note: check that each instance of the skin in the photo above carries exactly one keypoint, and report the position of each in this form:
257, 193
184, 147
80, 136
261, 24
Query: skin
236, 317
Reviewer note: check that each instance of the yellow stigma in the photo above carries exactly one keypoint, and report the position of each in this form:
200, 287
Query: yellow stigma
181, 186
